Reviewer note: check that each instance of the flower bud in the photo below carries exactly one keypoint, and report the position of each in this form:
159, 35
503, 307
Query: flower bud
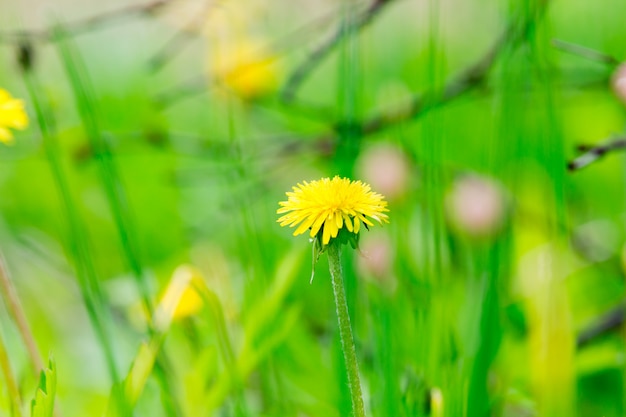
386, 168
476, 205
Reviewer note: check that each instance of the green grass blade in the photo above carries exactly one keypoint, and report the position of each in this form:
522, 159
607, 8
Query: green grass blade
86, 274
109, 176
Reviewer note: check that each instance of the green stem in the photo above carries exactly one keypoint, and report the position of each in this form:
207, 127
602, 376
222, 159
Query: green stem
224, 343
85, 270
10, 381
345, 331
114, 189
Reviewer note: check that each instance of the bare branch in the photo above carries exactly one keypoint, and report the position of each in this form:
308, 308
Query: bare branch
318, 55
472, 77
584, 52
593, 154
175, 45
86, 25
609, 321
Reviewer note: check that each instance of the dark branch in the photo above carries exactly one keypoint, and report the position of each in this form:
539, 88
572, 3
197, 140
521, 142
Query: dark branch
318, 55
176, 43
587, 53
593, 154
194, 86
611, 320
85, 25
474, 76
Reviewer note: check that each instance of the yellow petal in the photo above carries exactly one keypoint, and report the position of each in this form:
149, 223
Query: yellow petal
305, 225
317, 224
326, 236
339, 220
348, 222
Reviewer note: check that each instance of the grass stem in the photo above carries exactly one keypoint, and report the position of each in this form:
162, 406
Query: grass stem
10, 381
15, 309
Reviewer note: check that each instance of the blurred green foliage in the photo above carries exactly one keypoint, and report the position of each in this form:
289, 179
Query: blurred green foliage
468, 303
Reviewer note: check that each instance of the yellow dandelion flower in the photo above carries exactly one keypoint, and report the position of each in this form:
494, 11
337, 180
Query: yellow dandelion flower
330, 205
12, 115
246, 68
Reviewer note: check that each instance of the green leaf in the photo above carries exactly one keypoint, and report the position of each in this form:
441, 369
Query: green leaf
42, 405
345, 236
318, 249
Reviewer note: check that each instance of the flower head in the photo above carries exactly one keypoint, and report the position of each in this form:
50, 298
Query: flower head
182, 297
12, 115
329, 206
241, 61
247, 69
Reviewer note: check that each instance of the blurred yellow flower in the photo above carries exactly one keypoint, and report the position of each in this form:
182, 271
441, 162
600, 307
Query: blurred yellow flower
12, 115
246, 68
327, 206
181, 298
240, 59
190, 302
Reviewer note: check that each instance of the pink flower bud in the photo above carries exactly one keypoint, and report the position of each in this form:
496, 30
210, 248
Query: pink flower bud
386, 168
476, 205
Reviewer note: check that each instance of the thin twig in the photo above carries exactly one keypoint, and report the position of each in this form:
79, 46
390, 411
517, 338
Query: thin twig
593, 154
10, 380
609, 321
15, 309
584, 52
199, 85
317, 56
172, 47
175, 45
85, 25
194, 86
